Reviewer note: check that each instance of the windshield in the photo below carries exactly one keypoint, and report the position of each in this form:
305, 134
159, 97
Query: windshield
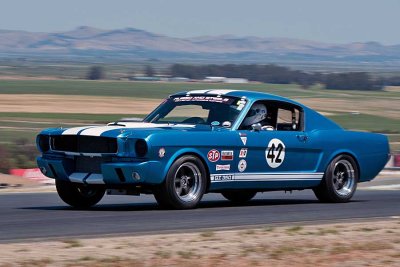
208, 110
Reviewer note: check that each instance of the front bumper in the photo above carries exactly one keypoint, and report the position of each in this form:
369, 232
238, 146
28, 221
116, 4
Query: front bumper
112, 173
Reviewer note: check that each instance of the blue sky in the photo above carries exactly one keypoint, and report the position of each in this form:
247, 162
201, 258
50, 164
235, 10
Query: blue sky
339, 21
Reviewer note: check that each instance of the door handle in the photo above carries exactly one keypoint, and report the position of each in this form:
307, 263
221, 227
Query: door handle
302, 137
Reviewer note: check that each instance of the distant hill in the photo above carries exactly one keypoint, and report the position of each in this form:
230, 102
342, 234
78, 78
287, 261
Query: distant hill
134, 43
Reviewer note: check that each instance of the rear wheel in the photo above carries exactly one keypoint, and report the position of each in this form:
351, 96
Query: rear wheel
239, 196
78, 196
340, 180
184, 185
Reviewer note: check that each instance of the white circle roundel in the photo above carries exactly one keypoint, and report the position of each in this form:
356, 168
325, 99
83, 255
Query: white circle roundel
242, 165
275, 153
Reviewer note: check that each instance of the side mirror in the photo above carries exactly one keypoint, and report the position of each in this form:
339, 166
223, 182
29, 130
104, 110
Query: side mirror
256, 127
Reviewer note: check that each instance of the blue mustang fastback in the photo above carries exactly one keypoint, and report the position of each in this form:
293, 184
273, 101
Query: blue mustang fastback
236, 143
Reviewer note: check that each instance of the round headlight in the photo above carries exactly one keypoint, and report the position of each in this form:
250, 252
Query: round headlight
141, 148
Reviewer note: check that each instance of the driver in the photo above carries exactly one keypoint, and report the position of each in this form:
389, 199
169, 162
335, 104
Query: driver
256, 114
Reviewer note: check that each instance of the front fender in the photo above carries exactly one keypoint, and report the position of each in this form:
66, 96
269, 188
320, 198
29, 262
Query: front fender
184, 151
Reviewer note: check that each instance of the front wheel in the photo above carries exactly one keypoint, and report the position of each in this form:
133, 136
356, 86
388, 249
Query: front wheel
78, 196
340, 181
184, 185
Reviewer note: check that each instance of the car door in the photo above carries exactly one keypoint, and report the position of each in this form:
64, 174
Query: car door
284, 154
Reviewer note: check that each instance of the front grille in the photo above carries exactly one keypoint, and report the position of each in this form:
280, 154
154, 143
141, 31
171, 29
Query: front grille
89, 164
84, 144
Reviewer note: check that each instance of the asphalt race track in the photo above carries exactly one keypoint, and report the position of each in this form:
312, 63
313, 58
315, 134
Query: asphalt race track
43, 215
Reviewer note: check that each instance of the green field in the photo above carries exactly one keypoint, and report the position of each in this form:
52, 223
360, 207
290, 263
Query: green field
156, 90
160, 90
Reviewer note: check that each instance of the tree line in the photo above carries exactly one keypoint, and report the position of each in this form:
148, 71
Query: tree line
268, 74
281, 75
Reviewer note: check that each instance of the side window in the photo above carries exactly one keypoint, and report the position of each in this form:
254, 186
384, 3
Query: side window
278, 115
288, 119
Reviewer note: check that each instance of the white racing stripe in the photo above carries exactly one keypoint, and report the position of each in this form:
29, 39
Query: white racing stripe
198, 91
255, 177
99, 130
76, 130
219, 92
211, 91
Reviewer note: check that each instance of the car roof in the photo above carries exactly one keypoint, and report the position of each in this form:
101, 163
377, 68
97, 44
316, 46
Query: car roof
251, 95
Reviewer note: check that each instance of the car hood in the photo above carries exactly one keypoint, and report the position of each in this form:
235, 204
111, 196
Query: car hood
128, 128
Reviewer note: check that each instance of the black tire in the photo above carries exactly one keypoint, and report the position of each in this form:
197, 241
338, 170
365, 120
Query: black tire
184, 185
239, 197
340, 181
78, 196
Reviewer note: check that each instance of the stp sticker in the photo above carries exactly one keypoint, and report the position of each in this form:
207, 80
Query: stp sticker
275, 153
243, 153
223, 167
242, 165
227, 155
213, 155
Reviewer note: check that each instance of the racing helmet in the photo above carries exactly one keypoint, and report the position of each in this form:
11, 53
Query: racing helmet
257, 113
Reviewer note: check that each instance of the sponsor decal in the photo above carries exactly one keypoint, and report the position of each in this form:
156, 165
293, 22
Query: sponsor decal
226, 167
222, 177
214, 99
161, 152
243, 137
243, 153
240, 104
242, 165
275, 153
240, 107
213, 155
227, 155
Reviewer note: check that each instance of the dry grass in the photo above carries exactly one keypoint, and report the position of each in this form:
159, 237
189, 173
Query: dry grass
76, 104
342, 244
122, 105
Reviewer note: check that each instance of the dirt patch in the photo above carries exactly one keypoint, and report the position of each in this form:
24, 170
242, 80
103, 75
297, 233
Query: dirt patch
76, 104
343, 244
392, 88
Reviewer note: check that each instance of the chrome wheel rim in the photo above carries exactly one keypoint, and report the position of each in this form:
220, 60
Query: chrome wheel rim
187, 182
343, 178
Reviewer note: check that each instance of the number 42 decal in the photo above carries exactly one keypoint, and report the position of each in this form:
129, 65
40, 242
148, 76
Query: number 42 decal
275, 153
